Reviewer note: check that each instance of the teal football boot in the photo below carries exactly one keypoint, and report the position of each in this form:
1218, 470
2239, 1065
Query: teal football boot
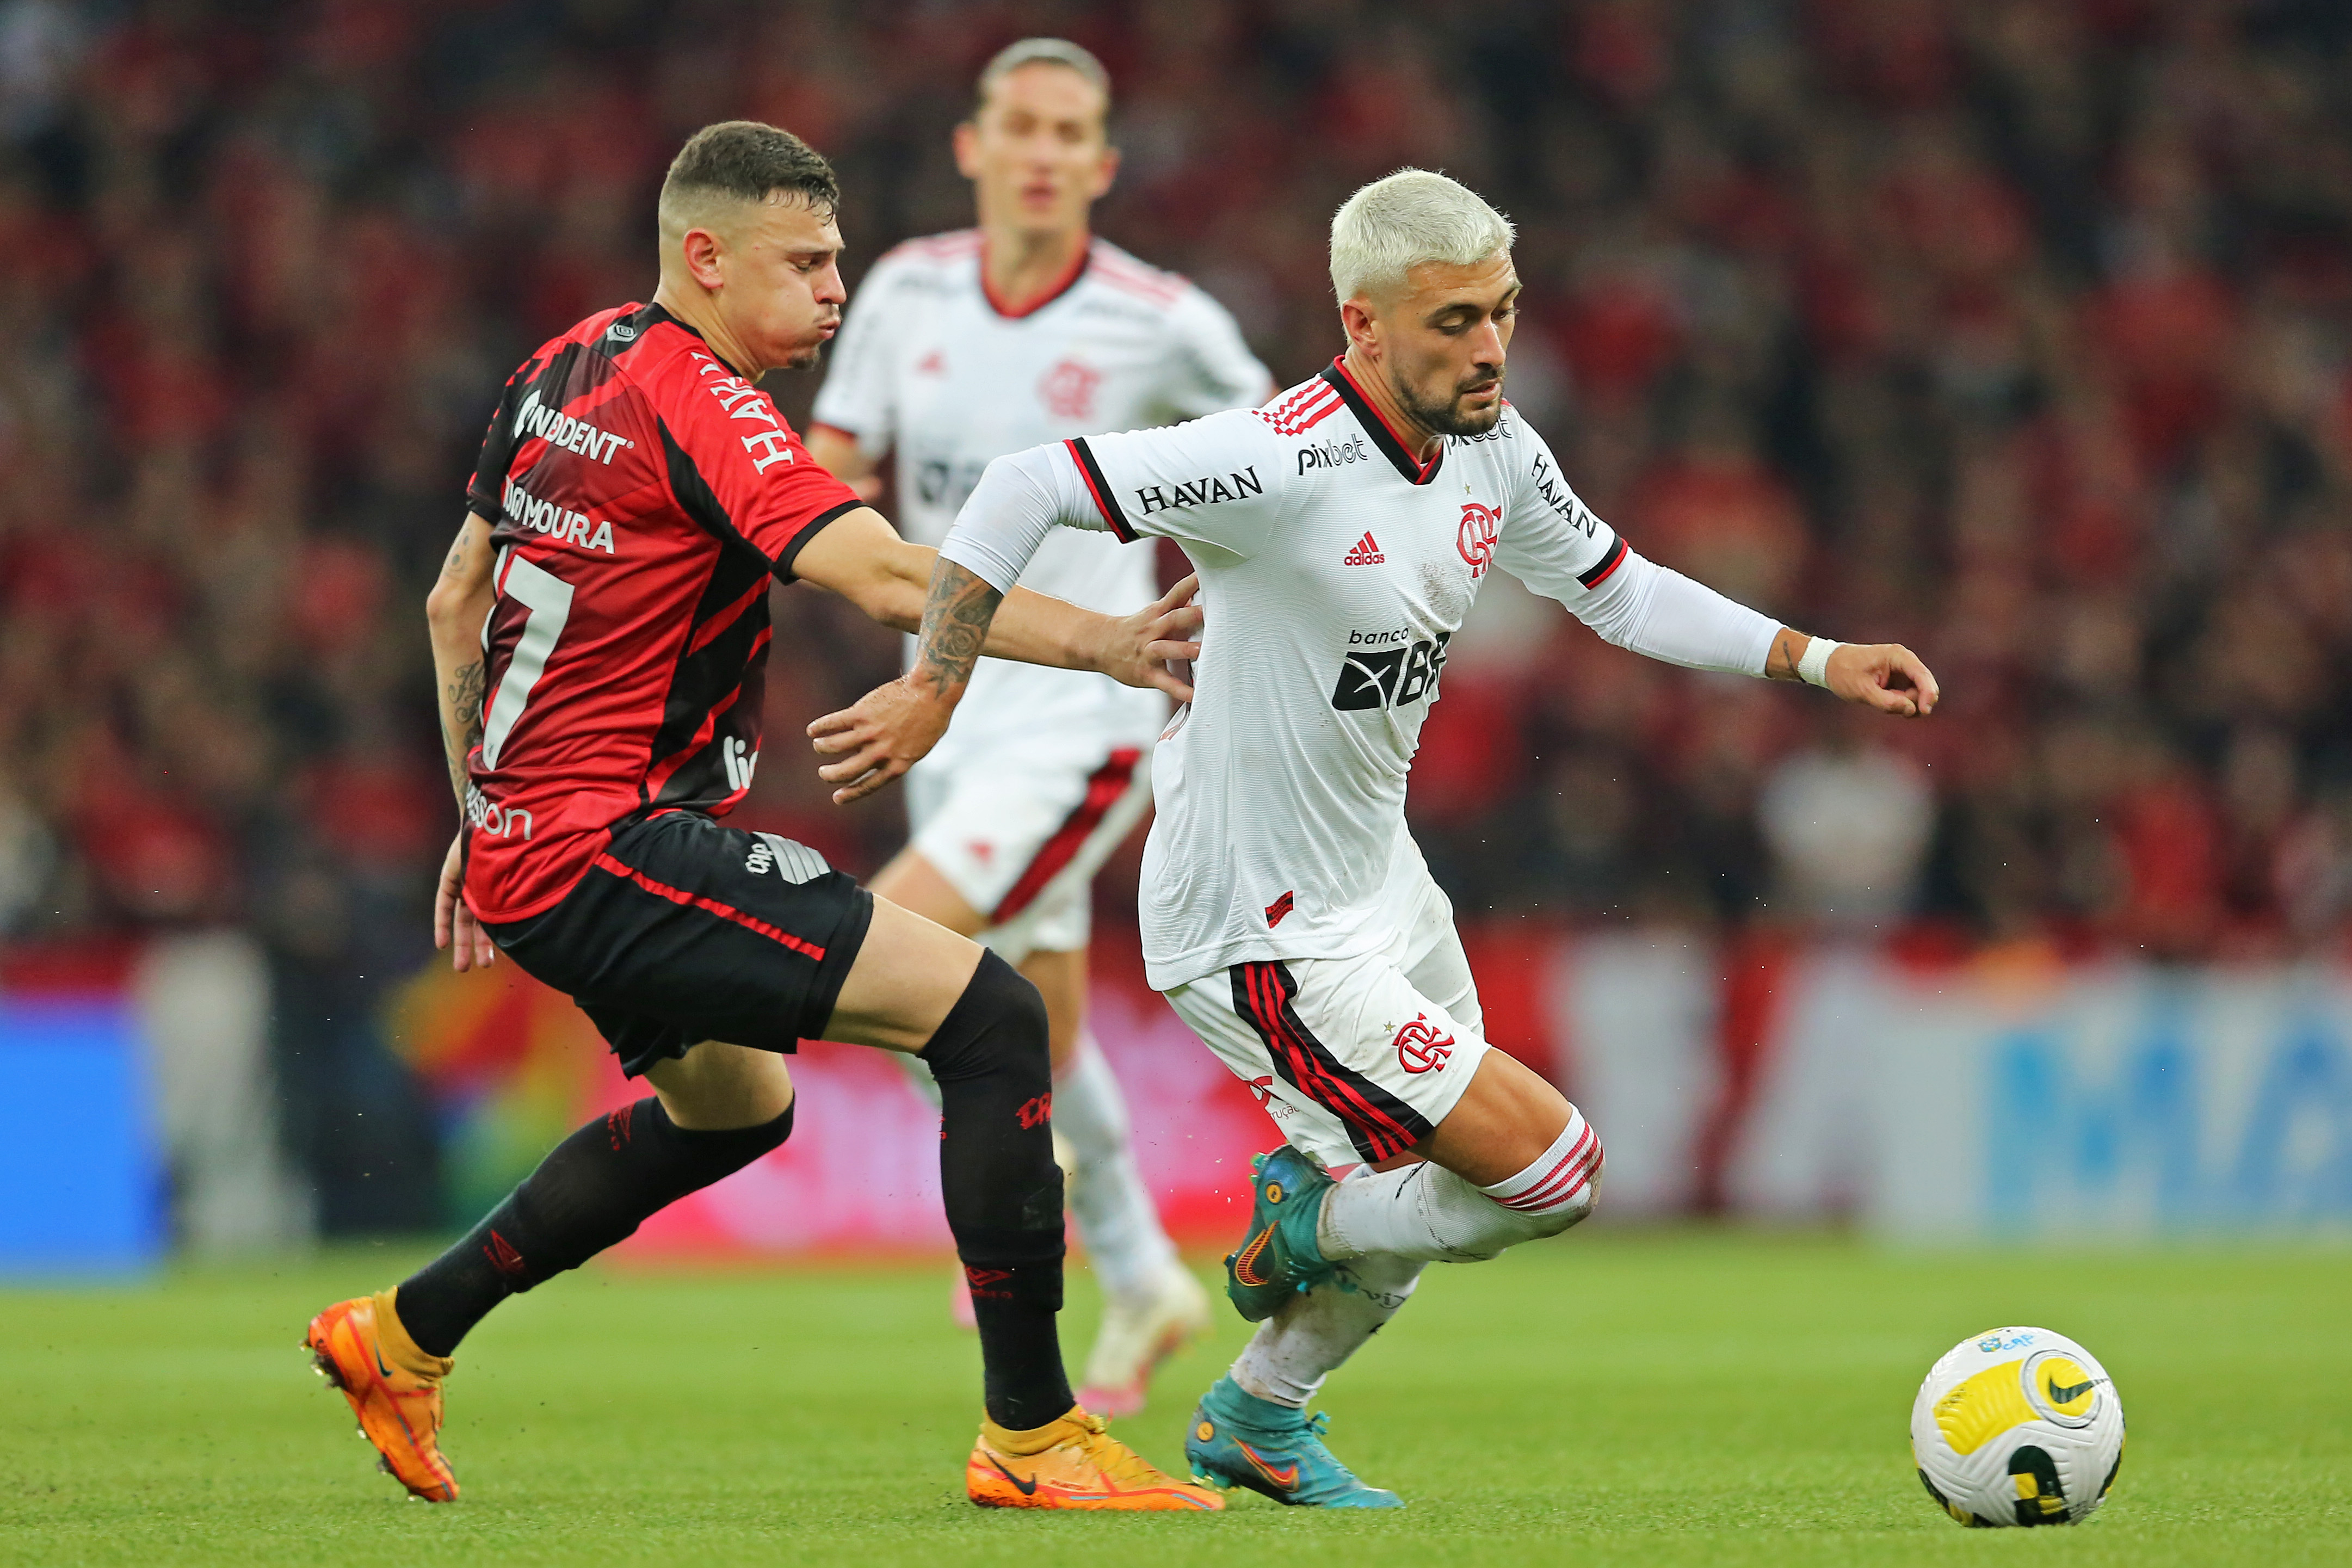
1279, 1257
1240, 1440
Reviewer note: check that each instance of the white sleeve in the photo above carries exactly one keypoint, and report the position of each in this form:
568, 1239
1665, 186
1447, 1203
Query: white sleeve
1212, 367
1551, 541
1018, 502
859, 397
1217, 480
1655, 610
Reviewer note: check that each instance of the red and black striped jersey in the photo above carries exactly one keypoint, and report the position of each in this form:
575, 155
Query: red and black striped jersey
642, 495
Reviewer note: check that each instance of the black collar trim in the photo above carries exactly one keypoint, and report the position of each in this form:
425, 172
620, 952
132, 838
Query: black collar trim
1415, 470
654, 315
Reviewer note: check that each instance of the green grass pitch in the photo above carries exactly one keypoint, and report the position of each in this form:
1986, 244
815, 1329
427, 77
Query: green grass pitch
1615, 1397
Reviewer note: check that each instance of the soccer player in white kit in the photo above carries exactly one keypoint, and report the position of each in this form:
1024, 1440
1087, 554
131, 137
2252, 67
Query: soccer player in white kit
959, 349
1340, 534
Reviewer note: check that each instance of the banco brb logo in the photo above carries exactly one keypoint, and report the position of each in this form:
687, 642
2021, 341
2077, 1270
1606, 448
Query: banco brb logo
1476, 538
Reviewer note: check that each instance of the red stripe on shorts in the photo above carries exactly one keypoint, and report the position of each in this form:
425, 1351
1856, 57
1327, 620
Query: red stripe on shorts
1319, 1074
604, 862
1104, 787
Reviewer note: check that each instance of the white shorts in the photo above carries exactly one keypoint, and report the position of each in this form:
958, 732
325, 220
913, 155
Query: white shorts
1020, 833
1355, 1059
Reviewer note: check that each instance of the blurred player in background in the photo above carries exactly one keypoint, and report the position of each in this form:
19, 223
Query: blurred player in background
961, 348
599, 634
1342, 535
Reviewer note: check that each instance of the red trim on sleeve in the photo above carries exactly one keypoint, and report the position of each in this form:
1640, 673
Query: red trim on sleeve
1098, 488
1606, 570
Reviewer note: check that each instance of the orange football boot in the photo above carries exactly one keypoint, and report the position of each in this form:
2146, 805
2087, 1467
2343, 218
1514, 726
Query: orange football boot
394, 1389
1073, 1463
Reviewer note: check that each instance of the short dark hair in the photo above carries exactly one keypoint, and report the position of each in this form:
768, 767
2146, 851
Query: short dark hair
748, 162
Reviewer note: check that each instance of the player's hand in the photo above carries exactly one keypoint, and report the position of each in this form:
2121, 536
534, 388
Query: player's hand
889, 729
1885, 676
454, 929
1142, 644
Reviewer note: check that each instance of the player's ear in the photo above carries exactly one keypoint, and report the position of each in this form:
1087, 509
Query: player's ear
1355, 316
1106, 171
967, 149
704, 252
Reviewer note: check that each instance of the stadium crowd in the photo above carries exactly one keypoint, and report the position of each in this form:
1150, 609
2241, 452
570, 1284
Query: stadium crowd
2015, 330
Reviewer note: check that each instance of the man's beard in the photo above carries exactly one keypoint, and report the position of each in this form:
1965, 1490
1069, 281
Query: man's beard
1447, 418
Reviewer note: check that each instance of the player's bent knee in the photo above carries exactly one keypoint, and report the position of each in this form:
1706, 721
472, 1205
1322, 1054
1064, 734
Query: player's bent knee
1554, 1193
997, 1025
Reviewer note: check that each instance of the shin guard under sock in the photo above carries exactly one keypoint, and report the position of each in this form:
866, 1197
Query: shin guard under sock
1003, 1191
594, 1190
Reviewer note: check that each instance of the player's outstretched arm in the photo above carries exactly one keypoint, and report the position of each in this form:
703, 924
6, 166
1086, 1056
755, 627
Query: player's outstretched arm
896, 725
861, 557
455, 610
1885, 676
1651, 609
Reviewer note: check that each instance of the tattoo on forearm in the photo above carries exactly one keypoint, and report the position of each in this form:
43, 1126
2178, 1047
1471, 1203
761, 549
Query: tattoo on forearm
462, 701
955, 627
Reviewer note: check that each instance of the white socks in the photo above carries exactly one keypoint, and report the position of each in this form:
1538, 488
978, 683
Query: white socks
1114, 1212
1426, 1213
1293, 1350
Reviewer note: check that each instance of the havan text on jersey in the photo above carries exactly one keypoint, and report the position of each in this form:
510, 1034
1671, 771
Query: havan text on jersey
1205, 491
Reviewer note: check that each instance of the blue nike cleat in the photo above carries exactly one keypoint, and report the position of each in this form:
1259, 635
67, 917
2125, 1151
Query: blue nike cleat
1280, 1257
1240, 1440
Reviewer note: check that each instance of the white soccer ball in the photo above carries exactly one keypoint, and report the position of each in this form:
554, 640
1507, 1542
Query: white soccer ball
2018, 1427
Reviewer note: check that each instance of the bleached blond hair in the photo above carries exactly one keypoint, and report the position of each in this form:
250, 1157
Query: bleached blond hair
1042, 52
1415, 215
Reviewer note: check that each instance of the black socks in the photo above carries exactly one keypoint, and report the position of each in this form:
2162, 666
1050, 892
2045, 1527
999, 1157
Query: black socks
1003, 1191
594, 1190
1004, 1198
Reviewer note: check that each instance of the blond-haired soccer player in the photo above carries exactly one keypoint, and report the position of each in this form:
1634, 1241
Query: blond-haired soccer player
960, 348
1341, 534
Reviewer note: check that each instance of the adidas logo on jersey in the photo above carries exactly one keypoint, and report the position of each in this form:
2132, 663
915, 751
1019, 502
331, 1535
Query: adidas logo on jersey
1367, 552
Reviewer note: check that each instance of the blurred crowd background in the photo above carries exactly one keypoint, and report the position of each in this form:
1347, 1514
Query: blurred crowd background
2013, 330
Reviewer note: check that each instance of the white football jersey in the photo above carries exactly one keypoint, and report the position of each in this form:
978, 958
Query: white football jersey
1334, 567
928, 367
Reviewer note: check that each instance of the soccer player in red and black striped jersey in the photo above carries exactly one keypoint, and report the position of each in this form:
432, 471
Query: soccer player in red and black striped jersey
600, 632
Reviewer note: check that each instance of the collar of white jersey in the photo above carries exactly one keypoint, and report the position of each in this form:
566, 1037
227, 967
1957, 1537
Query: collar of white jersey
1415, 470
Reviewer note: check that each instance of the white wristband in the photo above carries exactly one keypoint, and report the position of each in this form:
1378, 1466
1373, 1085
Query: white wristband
1813, 669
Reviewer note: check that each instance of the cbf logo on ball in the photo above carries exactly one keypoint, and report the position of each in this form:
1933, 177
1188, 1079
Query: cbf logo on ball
1476, 539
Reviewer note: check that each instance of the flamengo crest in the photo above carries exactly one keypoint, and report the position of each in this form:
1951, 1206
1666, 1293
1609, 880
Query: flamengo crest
1480, 524
1420, 1048
1068, 390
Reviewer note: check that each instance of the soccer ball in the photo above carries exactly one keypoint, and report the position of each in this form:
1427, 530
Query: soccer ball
2018, 1427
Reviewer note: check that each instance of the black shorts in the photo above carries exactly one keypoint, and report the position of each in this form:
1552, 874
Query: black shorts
684, 931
